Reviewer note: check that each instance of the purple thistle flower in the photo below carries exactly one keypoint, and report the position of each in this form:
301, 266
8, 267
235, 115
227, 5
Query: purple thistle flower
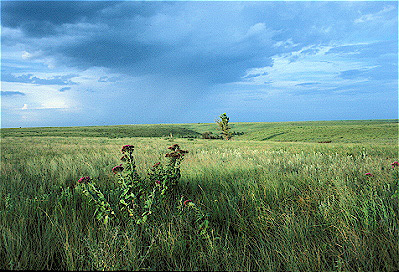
395, 163
84, 180
117, 169
174, 147
127, 148
369, 174
158, 182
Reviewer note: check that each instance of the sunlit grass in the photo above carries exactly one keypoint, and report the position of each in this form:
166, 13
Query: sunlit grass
272, 206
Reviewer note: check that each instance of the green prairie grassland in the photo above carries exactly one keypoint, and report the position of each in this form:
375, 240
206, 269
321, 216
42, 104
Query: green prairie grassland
370, 131
277, 199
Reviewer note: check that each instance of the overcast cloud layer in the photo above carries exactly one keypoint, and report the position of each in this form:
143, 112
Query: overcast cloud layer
69, 63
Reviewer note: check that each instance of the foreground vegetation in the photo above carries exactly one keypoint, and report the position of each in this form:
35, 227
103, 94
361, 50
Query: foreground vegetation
270, 205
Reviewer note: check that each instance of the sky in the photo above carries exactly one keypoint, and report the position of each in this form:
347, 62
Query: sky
82, 63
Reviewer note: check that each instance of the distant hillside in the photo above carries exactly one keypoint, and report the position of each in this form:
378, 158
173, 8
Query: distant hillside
383, 131
104, 131
375, 131
358, 131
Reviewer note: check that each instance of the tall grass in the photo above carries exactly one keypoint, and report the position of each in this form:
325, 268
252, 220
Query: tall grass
272, 206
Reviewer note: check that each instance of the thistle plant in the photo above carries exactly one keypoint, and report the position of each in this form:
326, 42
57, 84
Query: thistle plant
167, 175
136, 195
200, 218
137, 199
103, 209
132, 188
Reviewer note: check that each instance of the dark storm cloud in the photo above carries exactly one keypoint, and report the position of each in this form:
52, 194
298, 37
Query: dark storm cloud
209, 42
184, 39
40, 18
112, 53
213, 42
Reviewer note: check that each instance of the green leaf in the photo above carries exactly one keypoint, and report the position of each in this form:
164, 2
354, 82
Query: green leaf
125, 191
130, 196
144, 214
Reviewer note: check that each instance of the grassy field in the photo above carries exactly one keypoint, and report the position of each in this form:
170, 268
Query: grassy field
368, 131
277, 199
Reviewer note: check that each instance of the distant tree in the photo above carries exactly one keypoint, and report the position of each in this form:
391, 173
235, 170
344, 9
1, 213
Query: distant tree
223, 123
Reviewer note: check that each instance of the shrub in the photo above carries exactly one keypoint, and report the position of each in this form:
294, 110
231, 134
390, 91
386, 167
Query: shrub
210, 135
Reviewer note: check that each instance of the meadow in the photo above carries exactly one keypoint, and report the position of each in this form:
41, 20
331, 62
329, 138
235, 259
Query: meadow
279, 196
